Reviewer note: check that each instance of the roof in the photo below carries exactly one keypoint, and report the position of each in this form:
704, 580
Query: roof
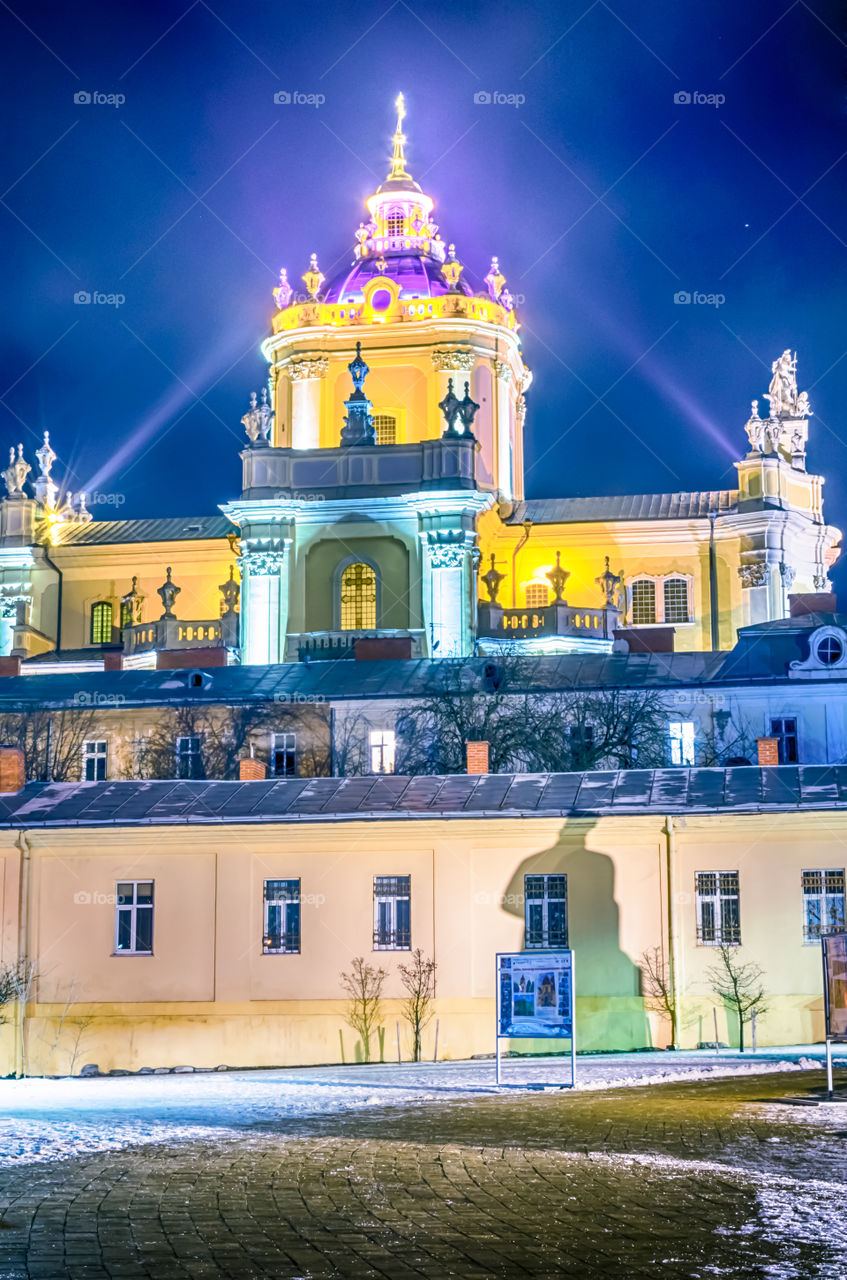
343, 680
418, 276
163, 529
748, 789
638, 506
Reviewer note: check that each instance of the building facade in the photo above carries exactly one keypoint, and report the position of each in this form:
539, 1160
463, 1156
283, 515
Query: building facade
195, 923
382, 494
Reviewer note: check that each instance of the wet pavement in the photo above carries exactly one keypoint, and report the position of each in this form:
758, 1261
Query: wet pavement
703, 1179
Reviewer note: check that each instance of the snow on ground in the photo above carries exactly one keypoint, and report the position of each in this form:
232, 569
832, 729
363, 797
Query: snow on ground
55, 1119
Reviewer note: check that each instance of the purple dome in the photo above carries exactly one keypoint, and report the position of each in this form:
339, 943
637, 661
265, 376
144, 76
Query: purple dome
417, 277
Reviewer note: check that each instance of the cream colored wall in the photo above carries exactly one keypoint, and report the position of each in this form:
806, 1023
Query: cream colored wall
208, 995
105, 572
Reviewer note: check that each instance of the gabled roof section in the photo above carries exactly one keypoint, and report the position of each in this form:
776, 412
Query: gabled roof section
639, 506
164, 529
609, 793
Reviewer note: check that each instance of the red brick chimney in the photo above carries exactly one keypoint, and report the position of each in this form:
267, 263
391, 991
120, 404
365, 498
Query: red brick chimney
768, 750
252, 770
477, 757
12, 772
10, 666
812, 602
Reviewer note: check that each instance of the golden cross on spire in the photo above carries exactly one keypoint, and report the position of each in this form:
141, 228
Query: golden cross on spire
398, 159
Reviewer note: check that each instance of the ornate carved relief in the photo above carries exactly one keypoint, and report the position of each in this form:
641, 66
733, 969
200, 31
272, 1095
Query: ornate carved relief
502, 371
754, 575
262, 564
307, 367
447, 555
453, 360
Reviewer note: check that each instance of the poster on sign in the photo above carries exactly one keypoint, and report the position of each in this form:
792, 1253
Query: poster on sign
535, 998
834, 951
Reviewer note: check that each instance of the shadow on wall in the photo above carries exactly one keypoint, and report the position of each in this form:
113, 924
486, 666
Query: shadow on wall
610, 1010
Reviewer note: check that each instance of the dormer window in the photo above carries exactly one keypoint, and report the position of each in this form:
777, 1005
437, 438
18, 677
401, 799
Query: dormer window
830, 650
827, 656
395, 222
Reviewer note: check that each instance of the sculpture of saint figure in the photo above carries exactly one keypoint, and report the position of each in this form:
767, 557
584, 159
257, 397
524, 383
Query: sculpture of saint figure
782, 393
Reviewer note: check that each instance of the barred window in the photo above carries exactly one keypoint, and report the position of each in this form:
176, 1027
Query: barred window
101, 623
189, 757
395, 222
282, 918
383, 747
134, 918
385, 426
823, 902
358, 598
546, 911
676, 600
392, 913
643, 602
718, 915
537, 596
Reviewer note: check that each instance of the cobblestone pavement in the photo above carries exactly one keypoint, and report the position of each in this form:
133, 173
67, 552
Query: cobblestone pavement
713, 1178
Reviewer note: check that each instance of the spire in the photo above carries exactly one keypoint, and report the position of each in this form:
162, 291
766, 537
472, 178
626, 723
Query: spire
399, 178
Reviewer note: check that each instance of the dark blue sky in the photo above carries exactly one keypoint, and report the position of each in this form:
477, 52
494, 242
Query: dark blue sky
602, 196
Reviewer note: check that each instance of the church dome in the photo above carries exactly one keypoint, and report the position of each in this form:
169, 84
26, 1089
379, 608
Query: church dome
418, 277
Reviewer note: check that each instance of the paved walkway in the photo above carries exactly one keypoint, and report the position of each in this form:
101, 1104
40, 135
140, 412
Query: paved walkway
713, 1178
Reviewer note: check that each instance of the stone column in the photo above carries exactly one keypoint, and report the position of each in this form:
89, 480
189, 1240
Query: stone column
306, 376
8, 619
756, 582
504, 429
264, 609
448, 580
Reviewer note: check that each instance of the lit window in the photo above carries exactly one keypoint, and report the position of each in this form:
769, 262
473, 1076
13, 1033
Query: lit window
189, 757
676, 600
134, 918
358, 597
718, 918
284, 755
823, 903
392, 913
830, 651
643, 602
681, 742
94, 757
537, 596
101, 623
385, 426
382, 751
395, 222
282, 918
785, 731
546, 911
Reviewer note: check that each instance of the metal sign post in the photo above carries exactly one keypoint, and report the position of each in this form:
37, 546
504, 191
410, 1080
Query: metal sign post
535, 1000
834, 957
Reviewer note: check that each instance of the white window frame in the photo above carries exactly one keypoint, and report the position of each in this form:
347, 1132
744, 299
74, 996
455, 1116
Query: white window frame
714, 899
549, 881
283, 744
821, 896
681, 743
659, 581
95, 751
133, 908
181, 756
382, 744
388, 892
292, 897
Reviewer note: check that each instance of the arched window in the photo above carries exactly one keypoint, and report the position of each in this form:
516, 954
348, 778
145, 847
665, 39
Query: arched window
643, 602
395, 222
537, 596
101, 623
358, 598
676, 600
385, 426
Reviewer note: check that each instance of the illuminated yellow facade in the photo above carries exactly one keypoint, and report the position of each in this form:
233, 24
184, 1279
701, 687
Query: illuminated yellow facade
414, 474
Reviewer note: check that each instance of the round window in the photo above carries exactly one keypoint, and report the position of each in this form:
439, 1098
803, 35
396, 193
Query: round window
380, 300
830, 651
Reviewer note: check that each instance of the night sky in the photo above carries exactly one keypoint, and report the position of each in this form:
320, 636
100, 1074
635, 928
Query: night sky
602, 196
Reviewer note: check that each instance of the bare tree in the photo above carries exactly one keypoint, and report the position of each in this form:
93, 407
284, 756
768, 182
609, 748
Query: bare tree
50, 740
15, 985
658, 991
419, 980
727, 738
68, 1032
529, 728
739, 985
363, 985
